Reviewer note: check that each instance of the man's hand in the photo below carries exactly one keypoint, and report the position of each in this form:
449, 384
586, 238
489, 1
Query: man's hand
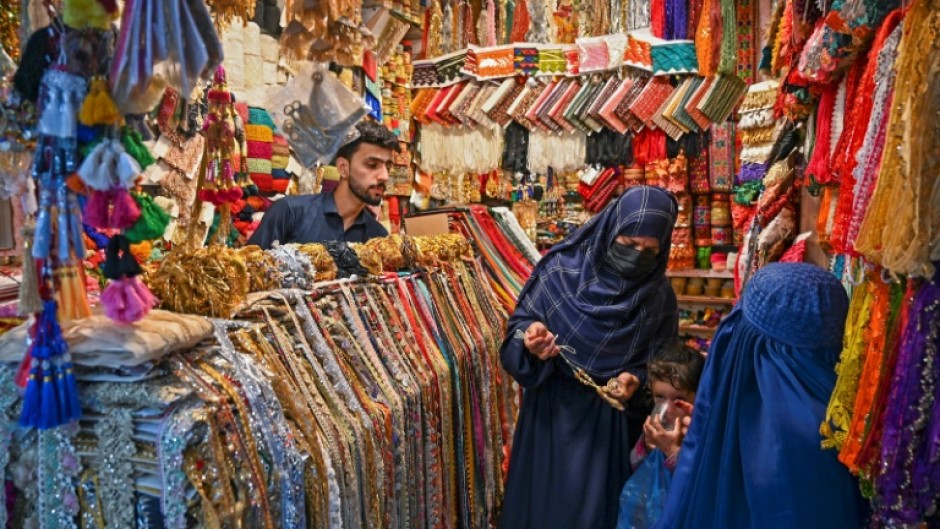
540, 342
623, 387
668, 441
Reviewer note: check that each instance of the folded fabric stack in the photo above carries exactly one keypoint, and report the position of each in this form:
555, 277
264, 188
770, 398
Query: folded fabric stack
758, 130
259, 133
280, 157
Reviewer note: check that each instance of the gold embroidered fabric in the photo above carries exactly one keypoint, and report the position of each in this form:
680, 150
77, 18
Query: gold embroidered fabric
839, 413
902, 226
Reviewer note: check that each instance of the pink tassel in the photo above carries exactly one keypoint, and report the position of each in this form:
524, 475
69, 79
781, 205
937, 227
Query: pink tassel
112, 299
126, 211
127, 300
97, 210
143, 295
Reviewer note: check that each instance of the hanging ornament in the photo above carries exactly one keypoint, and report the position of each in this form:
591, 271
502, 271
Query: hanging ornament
51, 397
125, 300
219, 186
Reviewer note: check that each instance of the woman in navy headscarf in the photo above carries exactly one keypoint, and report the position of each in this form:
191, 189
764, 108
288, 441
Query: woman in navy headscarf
752, 456
599, 302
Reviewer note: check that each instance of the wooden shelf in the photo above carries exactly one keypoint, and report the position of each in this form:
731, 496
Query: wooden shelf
708, 300
694, 272
696, 328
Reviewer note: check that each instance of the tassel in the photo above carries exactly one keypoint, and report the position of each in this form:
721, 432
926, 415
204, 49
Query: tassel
42, 241
126, 300
119, 261
62, 224
88, 134
127, 167
106, 112
44, 406
29, 300
112, 300
90, 171
134, 146
125, 212
71, 294
68, 116
97, 210
68, 389
152, 222
75, 226
49, 122
87, 114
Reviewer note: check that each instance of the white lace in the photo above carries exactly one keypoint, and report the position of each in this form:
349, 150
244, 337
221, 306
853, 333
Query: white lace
563, 153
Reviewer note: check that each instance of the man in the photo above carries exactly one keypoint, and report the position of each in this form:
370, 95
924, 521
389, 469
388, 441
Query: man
363, 163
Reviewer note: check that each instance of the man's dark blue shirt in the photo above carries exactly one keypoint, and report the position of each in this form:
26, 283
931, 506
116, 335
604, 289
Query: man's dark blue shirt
312, 218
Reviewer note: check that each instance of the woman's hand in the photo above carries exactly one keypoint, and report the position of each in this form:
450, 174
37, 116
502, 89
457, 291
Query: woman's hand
540, 342
623, 387
668, 441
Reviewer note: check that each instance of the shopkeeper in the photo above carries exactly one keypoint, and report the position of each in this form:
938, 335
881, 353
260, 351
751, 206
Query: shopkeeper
363, 163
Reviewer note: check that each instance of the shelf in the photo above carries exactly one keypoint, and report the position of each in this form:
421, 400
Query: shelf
706, 300
694, 272
696, 328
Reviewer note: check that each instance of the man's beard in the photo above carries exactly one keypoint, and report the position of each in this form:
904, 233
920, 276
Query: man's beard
363, 193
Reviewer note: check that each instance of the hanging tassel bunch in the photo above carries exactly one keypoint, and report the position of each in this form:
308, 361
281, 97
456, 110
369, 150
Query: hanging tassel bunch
54, 160
51, 397
60, 95
109, 171
125, 300
99, 108
219, 187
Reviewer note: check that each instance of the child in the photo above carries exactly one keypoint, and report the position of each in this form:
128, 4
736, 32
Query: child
674, 375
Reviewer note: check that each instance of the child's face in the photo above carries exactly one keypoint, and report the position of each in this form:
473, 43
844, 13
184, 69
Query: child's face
665, 393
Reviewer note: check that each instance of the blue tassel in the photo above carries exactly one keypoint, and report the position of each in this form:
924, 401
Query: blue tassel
29, 417
51, 393
100, 240
86, 134
69, 391
62, 237
42, 241
49, 416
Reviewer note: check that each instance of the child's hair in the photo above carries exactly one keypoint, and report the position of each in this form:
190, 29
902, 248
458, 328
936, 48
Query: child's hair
678, 364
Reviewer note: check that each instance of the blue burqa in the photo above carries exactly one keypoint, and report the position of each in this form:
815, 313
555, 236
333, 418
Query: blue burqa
570, 454
752, 457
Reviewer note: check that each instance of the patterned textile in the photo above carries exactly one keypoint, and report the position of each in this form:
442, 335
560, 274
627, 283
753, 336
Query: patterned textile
721, 157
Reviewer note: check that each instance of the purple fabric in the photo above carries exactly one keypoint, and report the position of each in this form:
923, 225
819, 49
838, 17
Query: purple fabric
910, 451
677, 19
750, 172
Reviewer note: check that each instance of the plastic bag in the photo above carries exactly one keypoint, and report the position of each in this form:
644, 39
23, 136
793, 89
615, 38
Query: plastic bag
644, 495
315, 111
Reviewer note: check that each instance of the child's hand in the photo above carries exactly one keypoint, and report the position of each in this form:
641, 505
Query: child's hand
687, 420
668, 441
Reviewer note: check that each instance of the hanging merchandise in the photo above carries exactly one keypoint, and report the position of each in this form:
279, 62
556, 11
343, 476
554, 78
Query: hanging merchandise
907, 243
162, 44
315, 112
